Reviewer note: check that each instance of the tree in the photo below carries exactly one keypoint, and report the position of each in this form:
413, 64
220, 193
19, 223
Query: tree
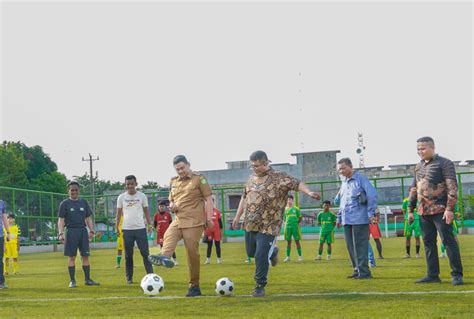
13, 166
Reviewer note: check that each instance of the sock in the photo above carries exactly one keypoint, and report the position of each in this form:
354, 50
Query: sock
6, 265
15, 266
174, 255
408, 249
87, 272
119, 259
378, 244
72, 273
320, 251
249, 259
288, 251
443, 248
299, 251
329, 251
417, 249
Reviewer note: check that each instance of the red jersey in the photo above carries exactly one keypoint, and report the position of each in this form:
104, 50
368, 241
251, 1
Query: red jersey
216, 216
162, 222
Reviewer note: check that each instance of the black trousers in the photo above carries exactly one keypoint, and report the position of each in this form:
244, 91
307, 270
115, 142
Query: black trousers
431, 225
357, 242
2, 247
130, 237
261, 246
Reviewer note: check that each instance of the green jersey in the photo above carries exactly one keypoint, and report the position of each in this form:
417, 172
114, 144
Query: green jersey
292, 216
405, 204
326, 220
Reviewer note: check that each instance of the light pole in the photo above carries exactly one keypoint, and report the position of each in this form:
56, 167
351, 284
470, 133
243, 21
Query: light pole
91, 161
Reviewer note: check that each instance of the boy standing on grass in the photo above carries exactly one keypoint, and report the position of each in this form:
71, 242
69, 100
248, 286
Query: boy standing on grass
292, 220
119, 244
327, 221
12, 246
3, 221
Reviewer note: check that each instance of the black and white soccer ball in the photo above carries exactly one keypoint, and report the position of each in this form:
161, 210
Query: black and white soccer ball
224, 287
152, 284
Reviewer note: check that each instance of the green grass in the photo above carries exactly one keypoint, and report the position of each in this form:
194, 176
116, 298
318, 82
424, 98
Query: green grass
44, 276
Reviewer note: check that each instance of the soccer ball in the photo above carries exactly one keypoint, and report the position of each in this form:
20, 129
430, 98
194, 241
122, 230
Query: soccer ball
152, 284
224, 287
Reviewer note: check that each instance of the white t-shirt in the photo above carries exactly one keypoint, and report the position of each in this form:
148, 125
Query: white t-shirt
132, 205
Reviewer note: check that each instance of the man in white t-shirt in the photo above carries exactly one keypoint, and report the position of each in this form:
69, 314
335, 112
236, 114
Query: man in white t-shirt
133, 206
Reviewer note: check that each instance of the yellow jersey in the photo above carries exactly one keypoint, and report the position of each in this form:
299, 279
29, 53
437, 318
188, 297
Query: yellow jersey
14, 233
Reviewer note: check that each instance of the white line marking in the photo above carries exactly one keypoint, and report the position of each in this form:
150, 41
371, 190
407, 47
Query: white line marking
322, 294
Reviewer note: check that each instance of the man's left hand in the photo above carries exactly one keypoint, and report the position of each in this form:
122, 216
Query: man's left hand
448, 217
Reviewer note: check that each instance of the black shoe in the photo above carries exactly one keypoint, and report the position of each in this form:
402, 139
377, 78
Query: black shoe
354, 275
90, 282
428, 280
274, 257
72, 284
160, 260
364, 277
259, 291
194, 292
457, 281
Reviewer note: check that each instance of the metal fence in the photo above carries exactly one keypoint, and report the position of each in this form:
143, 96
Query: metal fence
36, 211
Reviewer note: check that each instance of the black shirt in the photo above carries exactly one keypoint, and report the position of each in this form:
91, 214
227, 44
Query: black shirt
74, 212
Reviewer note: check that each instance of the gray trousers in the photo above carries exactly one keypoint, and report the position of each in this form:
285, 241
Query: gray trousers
357, 242
261, 246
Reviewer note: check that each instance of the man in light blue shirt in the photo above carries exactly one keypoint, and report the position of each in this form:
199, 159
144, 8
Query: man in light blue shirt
357, 200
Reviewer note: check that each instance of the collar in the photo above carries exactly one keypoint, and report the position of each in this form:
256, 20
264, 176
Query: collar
264, 174
186, 177
435, 157
354, 176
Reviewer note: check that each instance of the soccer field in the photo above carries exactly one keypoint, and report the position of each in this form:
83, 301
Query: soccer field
295, 290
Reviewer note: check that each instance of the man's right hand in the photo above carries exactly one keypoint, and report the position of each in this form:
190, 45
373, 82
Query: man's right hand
61, 238
236, 223
411, 218
338, 225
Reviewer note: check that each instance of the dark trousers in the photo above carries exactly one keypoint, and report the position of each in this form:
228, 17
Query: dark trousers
130, 237
357, 242
261, 246
430, 226
2, 247
209, 248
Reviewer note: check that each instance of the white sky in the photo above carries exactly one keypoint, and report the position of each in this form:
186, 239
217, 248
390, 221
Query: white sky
137, 83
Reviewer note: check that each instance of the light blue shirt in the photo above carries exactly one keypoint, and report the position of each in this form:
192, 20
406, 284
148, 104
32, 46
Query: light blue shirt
351, 212
2, 211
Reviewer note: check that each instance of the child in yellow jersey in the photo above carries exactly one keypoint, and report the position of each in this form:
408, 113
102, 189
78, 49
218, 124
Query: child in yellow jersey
12, 247
119, 244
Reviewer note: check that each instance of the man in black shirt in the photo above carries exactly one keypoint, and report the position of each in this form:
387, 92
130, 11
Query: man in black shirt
74, 213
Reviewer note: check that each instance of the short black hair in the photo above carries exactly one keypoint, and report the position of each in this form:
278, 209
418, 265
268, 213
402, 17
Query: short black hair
162, 203
327, 202
180, 159
71, 183
290, 196
259, 156
426, 139
346, 160
130, 178
11, 215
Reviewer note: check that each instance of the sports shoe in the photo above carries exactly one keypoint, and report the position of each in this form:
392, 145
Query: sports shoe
372, 265
457, 281
417, 255
328, 257
364, 277
218, 261
160, 260
428, 280
381, 257
443, 255
129, 281
91, 282
354, 275
248, 261
175, 261
318, 257
208, 261
72, 284
194, 292
259, 291
117, 266
3, 286
274, 257
287, 259
407, 256
300, 258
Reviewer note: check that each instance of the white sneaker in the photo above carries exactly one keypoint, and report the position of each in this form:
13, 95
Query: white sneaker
443, 255
218, 260
287, 259
248, 261
329, 257
417, 255
208, 261
318, 258
300, 258
406, 256
175, 262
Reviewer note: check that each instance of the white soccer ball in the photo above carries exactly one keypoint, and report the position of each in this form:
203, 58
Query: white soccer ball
152, 284
224, 287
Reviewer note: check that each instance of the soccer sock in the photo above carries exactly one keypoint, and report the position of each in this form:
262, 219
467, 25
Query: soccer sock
299, 251
288, 251
320, 251
329, 251
249, 259
87, 272
174, 255
72, 273
443, 248
379, 247
218, 249
418, 249
6, 265
408, 249
209, 248
15, 266
119, 259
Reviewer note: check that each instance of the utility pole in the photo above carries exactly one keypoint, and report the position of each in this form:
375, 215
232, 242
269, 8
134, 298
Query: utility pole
91, 161
360, 149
